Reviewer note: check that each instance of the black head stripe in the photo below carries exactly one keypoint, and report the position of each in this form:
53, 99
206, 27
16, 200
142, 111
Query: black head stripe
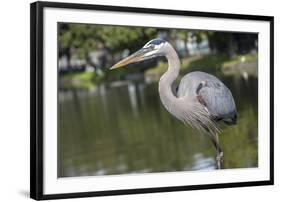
157, 41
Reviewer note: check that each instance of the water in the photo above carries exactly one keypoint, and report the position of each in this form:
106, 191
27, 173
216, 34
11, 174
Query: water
125, 129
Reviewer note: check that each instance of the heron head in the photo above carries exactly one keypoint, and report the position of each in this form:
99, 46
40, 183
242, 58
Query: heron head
150, 50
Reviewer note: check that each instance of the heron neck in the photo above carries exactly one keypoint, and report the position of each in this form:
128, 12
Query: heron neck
167, 96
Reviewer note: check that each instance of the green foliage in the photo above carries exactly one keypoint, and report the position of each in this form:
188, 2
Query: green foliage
241, 58
210, 63
119, 38
85, 38
76, 80
78, 40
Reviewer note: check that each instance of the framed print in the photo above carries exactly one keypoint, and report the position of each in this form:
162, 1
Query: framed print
134, 100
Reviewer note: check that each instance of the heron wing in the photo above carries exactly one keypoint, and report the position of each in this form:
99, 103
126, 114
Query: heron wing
217, 98
211, 93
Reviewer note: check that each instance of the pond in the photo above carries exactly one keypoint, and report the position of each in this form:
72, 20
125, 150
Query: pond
124, 128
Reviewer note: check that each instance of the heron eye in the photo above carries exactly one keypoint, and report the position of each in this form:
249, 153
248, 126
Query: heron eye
152, 46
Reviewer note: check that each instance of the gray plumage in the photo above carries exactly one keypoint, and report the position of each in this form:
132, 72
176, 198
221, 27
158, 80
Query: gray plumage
211, 93
201, 101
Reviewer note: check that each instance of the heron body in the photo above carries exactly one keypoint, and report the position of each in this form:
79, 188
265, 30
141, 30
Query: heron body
201, 100
211, 93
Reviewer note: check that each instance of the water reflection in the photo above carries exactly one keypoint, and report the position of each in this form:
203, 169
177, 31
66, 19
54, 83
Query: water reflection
133, 98
202, 163
125, 129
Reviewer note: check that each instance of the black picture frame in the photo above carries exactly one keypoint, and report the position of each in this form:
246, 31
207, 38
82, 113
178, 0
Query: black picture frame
36, 98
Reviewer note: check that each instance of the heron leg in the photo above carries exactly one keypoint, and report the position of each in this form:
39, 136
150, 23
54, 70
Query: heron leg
219, 156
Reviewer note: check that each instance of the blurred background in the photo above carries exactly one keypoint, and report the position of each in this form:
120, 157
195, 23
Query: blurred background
112, 122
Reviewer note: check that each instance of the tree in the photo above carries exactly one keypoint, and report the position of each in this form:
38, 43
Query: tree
84, 38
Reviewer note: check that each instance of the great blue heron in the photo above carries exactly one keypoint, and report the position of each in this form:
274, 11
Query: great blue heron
201, 101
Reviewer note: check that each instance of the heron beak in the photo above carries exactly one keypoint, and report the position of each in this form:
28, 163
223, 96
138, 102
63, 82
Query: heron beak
135, 57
